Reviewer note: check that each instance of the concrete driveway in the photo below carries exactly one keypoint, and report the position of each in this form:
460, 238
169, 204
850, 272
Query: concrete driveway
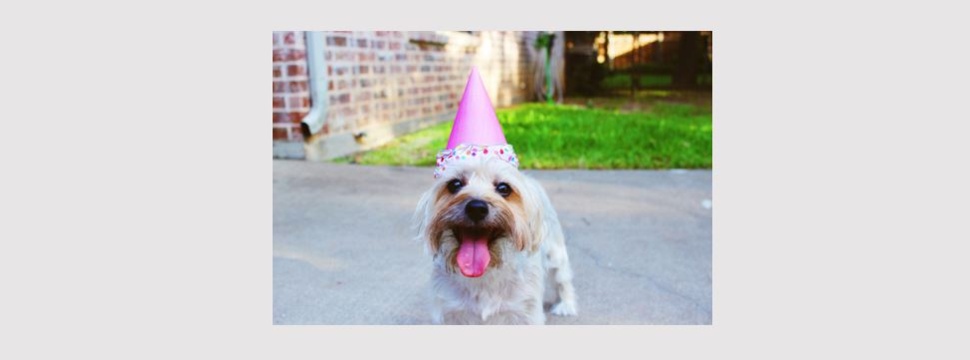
639, 242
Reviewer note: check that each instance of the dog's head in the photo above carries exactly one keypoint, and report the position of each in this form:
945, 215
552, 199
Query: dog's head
478, 211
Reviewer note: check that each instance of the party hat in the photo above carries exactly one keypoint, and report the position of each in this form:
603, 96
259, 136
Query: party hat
476, 132
475, 122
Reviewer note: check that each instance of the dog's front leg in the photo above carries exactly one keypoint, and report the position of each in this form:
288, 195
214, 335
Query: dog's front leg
562, 276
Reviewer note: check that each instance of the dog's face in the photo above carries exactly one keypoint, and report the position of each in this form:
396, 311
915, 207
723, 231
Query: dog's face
476, 212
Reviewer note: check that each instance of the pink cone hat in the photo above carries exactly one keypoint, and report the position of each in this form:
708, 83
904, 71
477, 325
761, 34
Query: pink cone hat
476, 132
475, 123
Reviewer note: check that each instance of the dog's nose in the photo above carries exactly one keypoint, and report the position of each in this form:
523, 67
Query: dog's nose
476, 210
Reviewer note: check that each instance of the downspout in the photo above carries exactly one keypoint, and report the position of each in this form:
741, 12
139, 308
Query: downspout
313, 121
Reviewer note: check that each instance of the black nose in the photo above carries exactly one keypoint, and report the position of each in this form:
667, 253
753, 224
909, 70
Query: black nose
476, 210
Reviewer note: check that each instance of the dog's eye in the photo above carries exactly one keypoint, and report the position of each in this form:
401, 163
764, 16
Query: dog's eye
454, 186
503, 189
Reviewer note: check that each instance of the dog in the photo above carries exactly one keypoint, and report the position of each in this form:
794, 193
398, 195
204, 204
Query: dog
497, 246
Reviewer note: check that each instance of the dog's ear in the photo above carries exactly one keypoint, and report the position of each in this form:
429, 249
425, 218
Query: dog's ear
422, 219
534, 202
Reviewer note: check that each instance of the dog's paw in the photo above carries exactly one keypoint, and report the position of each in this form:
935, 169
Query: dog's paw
564, 308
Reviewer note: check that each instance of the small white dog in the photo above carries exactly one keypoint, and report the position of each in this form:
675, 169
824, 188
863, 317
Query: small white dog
497, 246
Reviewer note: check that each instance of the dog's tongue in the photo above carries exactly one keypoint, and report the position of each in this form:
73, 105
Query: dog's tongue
473, 255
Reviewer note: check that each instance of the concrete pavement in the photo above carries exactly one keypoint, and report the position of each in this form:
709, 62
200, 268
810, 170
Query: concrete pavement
639, 243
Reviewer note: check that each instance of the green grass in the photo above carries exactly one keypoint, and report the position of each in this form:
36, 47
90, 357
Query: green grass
622, 81
563, 136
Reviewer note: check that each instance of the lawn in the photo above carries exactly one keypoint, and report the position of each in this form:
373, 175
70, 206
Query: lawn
623, 81
575, 137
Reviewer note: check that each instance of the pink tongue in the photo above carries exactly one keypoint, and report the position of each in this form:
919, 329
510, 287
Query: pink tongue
473, 255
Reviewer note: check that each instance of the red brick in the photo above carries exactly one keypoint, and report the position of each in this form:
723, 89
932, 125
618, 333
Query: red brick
279, 134
336, 41
288, 117
289, 38
299, 86
277, 72
295, 70
296, 102
278, 102
366, 56
281, 117
288, 54
297, 117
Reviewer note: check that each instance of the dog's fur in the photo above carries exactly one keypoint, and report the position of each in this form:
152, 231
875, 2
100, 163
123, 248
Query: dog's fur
528, 252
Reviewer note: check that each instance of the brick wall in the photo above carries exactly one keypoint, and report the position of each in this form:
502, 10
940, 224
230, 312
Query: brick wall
377, 78
291, 90
385, 76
